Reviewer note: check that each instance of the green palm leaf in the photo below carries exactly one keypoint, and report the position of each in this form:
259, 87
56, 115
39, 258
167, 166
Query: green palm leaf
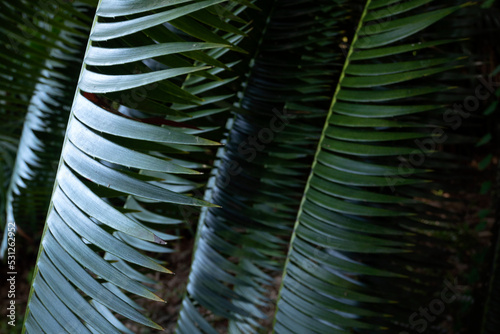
240, 247
128, 148
45, 114
346, 271
373, 233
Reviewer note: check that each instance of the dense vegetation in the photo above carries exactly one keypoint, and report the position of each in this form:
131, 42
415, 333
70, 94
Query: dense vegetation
328, 166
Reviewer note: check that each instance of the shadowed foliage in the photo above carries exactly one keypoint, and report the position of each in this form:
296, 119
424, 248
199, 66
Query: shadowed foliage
330, 152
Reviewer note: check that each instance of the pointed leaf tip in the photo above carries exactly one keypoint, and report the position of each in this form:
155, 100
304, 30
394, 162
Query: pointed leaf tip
156, 326
159, 240
167, 271
158, 299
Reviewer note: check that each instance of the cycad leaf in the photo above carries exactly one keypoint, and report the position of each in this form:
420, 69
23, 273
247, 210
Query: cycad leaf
103, 121
358, 195
37, 72
100, 83
106, 57
127, 7
84, 281
241, 246
117, 124
106, 31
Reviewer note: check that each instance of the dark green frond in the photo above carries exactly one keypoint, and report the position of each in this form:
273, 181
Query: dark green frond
262, 169
117, 138
363, 256
51, 84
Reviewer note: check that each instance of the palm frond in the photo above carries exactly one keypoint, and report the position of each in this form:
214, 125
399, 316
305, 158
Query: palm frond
45, 115
150, 214
136, 62
369, 248
240, 248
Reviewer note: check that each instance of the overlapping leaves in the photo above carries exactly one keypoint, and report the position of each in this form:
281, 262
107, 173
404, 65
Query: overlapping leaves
364, 255
40, 77
116, 144
262, 169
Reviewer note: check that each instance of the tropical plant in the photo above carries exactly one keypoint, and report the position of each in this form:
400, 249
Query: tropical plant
331, 206
52, 70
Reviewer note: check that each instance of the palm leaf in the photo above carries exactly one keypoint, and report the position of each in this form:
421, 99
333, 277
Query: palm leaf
240, 248
28, 192
150, 214
133, 52
357, 256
